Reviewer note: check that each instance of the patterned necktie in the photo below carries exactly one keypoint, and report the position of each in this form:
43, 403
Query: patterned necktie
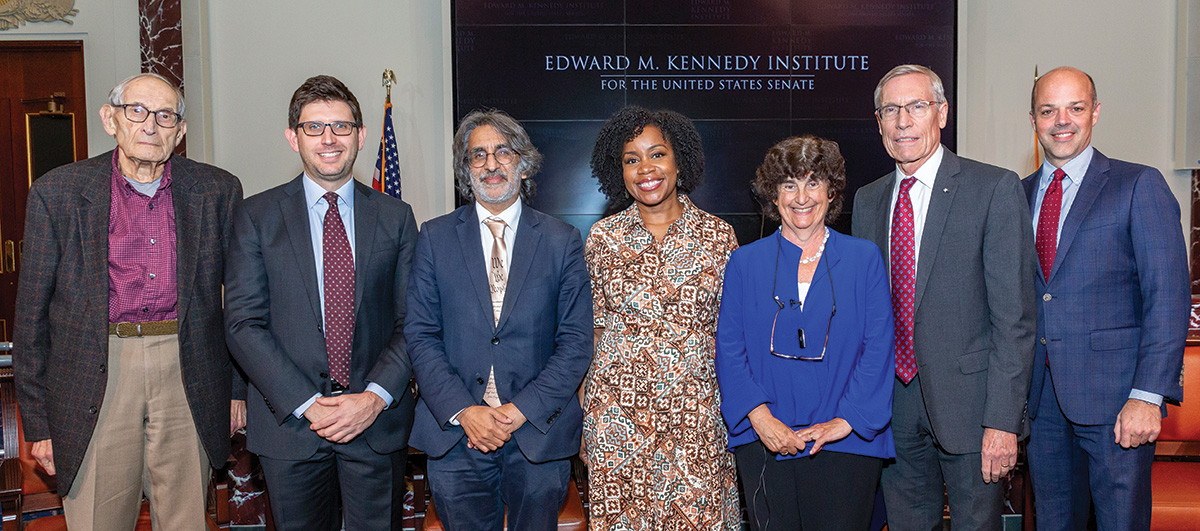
902, 252
497, 281
338, 267
1047, 227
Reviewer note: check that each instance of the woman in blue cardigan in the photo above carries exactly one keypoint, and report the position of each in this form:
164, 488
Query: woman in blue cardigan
804, 352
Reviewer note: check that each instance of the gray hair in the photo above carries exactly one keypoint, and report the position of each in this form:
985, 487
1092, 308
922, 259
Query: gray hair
939, 92
529, 160
116, 96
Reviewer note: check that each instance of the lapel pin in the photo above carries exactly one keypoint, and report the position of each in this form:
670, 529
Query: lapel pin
945, 190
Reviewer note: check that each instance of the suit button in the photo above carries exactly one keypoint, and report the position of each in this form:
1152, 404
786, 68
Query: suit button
495, 341
92, 410
102, 368
479, 381
1047, 297
323, 375
1043, 341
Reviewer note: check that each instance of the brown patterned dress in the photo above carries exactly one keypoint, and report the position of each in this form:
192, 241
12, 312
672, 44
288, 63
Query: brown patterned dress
652, 422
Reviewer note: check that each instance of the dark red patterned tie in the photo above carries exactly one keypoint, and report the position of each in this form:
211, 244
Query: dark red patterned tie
902, 252
1047, 228
338, 267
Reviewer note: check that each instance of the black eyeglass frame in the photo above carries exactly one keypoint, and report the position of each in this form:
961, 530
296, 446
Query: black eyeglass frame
303, 127
157, 115
800, 331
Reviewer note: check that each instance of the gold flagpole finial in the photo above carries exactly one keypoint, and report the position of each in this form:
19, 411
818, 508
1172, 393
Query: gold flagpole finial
389, 79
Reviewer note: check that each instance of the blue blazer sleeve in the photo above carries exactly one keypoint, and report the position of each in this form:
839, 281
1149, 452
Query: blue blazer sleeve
559, 380
867, 402
1161, 258
739, 392
439, 383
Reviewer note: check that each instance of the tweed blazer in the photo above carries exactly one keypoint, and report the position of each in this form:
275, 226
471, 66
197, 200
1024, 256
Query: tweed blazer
61, 329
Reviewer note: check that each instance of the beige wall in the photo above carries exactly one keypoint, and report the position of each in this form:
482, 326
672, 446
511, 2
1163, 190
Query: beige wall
109, 31
261, 51
1127, 47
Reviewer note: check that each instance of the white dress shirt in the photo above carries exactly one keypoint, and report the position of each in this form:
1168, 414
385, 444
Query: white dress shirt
919, 194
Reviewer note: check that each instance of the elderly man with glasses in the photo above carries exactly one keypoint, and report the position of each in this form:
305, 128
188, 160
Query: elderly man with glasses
123, 376
958, 240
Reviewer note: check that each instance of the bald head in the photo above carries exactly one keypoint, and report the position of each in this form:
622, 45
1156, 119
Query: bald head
1059, 74
1064, 111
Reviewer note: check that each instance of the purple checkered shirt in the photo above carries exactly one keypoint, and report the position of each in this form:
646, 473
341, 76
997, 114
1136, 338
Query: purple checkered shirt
141, 252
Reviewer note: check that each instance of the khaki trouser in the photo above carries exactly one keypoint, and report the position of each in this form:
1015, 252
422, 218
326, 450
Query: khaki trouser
145, 441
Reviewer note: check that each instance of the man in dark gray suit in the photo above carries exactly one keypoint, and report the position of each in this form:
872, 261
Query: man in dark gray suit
314, 306
959, 243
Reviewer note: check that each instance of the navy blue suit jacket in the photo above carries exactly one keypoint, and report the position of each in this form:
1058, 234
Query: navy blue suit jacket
273, 316
540, 350
1113, 315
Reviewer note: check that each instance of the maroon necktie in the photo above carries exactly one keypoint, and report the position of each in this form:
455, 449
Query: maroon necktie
903, 255
338, 267
1047, 227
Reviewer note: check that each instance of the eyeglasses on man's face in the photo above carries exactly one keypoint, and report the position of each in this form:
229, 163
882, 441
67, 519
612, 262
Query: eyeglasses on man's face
137, 113
916, 109
504, 155
318, 128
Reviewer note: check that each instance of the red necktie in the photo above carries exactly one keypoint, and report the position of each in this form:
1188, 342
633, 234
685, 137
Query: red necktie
903, 255
1047, 227
338, 267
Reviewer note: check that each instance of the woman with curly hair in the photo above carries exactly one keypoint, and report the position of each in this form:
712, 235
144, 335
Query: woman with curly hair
804, 352
653, 435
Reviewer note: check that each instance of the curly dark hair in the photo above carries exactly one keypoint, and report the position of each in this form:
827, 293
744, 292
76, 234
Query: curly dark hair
794, 158
322, 88
625, 125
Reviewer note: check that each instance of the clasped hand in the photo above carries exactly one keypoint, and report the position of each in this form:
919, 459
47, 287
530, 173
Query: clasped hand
341, 418
489, 428
780, 439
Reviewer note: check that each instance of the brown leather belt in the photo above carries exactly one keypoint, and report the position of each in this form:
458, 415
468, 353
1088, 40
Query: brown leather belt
148, 328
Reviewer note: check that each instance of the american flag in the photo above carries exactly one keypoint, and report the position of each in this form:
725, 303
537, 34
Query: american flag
387, 165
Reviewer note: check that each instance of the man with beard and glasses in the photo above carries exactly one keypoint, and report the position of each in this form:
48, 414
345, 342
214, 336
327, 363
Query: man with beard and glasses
1112, 296
314, 309
500, 333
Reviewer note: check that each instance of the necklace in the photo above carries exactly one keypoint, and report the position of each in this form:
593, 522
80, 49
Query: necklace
820, 250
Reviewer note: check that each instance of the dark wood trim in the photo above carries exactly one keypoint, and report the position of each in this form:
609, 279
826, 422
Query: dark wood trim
27, 46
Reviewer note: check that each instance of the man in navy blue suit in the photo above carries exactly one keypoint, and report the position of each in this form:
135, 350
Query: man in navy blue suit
500, 333
1112, 316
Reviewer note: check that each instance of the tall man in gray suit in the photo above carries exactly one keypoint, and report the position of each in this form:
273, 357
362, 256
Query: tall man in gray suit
123, 376
314, 305
500, 332
958, 240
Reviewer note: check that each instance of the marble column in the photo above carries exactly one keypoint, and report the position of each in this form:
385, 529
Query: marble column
161, 38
